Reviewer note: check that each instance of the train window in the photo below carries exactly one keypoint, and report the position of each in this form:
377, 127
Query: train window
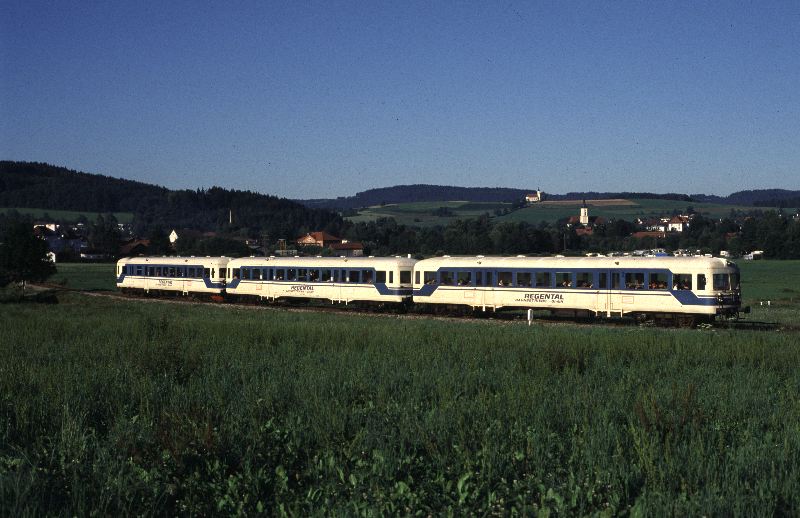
302, 274
280, 274
544, 280
367, 276
524, 279
291, 274
722, 282
634, 280
313, 275
446, 278
380, 277
171, 272
701, 281
504, 278
479, 278
616, 281
603, 281
139, 270
682, 281
354, 276
430, 277
416, 277
464, 278
258, 274
563, 280
206, 272
269, 274
405, 276
236, 273
584, 280
326, 276
658, 281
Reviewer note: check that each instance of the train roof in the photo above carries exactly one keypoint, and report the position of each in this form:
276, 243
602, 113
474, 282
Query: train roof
574, 262
174, 260
323, 262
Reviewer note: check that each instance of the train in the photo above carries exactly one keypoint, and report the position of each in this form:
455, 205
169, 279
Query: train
685, 290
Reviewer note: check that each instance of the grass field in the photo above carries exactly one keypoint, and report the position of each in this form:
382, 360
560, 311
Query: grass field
421, 214
67, 215
85, 276
131, 407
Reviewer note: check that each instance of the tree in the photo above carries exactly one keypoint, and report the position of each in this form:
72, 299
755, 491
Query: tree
23, 256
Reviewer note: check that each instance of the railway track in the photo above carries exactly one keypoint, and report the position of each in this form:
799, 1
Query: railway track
502, 317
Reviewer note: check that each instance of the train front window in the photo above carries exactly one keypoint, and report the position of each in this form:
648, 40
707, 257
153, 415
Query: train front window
722, 282
682, 281
405, 277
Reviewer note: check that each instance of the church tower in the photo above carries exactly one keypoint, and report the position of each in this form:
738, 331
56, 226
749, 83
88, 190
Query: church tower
584, 214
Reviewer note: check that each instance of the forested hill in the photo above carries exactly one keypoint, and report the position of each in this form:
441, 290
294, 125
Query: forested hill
433, 193
418, 192
37, 185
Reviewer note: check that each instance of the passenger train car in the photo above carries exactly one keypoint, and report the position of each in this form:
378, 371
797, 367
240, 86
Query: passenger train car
338, 279
177, 275
680, 288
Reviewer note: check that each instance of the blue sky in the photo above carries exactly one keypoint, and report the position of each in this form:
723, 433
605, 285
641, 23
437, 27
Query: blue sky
324, 99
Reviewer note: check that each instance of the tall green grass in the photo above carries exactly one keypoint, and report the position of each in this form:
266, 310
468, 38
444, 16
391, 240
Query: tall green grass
136, 407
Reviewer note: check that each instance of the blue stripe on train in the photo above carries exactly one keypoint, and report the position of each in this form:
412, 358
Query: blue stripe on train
207, 282
380, 286
684, 297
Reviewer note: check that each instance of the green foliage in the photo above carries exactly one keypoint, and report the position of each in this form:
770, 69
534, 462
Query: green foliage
130, 408
23, 256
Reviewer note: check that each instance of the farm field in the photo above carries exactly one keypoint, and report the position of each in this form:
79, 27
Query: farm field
137, 406
629, 210
66, 215
85, 276
422, 214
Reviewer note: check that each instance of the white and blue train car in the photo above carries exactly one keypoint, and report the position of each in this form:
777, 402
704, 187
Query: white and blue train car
177, 275
680, 288
338, 279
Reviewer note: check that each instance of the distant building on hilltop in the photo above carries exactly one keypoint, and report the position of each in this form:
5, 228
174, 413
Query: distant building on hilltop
534, 197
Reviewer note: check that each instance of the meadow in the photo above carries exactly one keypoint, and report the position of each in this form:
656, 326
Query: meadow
132, 407
421, 214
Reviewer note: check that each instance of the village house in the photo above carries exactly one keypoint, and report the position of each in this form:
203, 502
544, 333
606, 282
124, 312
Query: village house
320, 239
584, 224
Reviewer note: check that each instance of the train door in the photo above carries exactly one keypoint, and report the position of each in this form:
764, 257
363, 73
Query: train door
614, 295
483, 296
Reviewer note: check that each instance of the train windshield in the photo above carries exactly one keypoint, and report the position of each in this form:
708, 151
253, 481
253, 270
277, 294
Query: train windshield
726, 281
